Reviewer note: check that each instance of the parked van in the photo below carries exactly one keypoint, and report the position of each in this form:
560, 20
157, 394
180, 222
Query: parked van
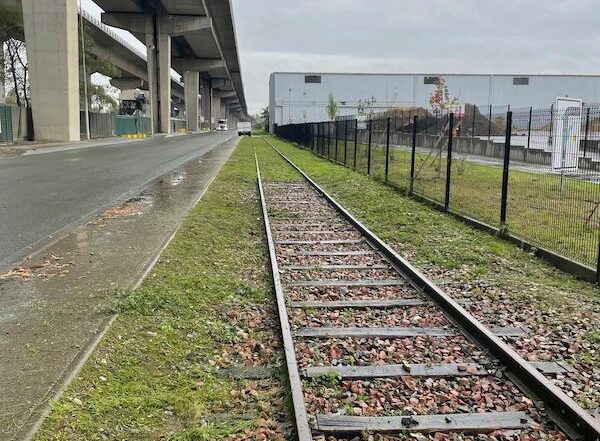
244, 128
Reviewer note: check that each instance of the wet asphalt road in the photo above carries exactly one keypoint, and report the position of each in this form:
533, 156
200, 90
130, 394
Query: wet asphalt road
43, 194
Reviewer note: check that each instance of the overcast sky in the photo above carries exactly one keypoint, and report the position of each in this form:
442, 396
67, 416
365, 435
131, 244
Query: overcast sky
465, 36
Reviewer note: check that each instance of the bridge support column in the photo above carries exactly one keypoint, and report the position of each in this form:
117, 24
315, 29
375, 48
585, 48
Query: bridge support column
191, 83
223, 110
152, 65
158, 48
164, 81
215, 106
53, 61
205, 102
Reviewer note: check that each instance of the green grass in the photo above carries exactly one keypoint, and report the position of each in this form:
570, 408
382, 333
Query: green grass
428, 236
550, 213
207, 304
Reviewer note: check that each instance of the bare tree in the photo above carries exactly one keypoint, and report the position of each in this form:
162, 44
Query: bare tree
18, 75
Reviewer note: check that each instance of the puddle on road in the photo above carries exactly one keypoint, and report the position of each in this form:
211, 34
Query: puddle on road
177, 177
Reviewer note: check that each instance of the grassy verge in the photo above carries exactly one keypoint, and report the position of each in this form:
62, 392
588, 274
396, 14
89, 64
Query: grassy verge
553, 212
455, 255
207, 306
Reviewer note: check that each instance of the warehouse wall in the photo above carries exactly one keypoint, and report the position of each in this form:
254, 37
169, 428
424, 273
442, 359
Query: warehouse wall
293, 99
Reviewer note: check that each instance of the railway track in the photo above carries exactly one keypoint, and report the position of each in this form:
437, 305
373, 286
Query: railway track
374, 348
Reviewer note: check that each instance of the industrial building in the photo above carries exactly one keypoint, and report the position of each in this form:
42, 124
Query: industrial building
296, 97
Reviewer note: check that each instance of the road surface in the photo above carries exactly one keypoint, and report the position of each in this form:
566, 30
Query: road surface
44, 193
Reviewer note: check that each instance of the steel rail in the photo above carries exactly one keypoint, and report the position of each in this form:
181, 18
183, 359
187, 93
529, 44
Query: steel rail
302, 426
566, 413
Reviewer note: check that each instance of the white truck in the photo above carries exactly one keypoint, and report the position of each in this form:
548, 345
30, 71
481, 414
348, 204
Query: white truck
244, 128
222, 124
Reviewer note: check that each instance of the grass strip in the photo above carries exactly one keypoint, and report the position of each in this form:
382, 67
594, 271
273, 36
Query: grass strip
207, 306
558, 213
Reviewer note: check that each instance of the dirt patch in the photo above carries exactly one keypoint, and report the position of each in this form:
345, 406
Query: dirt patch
131, 207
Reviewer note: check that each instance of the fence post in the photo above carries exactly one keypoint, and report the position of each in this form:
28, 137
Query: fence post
598, 263
528, 134
490, 124
355, 140
413, 154
387, 151
345, 141
369, 148
328, 140
551, 124
587, 125
505, 169
318, 138
449, 160
321, 139
436, 121
336, 139
473, 127
529, 127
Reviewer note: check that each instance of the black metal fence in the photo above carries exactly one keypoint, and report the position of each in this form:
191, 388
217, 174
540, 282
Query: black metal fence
531, 175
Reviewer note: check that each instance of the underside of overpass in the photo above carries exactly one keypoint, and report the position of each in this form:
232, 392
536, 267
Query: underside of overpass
196, 38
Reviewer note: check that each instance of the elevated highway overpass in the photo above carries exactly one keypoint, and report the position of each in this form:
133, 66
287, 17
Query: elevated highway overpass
194, 37
129, 60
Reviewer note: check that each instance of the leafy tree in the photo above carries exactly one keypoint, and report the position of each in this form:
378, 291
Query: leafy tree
440, 98
98, 96
366, 106
101, 100
264, 117
332, 107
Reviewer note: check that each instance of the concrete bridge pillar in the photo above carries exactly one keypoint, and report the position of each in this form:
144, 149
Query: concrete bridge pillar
51, 36
164, 81
191, 82
215, 107
158, 51
205, 102
152, 66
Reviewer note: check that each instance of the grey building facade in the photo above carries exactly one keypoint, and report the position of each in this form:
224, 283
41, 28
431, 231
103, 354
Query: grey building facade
296, 97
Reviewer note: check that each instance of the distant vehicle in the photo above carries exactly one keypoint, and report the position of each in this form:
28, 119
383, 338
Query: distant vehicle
222, 124
244, 128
